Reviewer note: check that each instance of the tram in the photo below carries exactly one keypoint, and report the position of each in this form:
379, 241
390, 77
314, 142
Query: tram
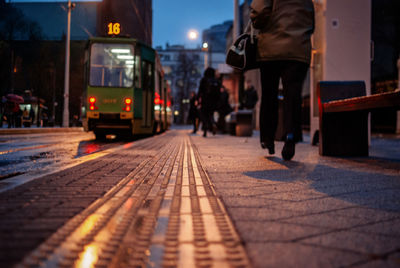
126, 93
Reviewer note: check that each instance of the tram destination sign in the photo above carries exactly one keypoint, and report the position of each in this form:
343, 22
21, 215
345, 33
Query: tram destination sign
113, 28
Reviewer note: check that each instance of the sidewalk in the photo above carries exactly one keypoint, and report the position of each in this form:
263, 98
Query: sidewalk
313, 211
181, 200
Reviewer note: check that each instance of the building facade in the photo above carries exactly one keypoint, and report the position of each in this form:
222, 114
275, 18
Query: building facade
184, 67
33, 56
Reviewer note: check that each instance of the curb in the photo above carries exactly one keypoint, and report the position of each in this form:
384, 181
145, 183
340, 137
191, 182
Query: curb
11, 131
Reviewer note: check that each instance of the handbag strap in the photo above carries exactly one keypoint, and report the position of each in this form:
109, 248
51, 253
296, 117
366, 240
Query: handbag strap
246, 30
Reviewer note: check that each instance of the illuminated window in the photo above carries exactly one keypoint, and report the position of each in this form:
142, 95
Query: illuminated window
111, 65
138, 72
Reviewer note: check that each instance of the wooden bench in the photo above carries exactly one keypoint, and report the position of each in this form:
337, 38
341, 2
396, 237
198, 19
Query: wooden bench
343, 116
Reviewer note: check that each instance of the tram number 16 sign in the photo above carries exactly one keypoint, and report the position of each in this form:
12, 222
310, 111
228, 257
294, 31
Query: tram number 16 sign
114, 28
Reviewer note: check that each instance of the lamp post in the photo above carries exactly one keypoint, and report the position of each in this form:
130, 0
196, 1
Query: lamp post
398, 88
236, 30
66, 76
205, 49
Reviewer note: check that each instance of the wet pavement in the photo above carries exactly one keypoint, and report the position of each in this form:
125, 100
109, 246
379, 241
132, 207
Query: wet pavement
24, 155
178, 199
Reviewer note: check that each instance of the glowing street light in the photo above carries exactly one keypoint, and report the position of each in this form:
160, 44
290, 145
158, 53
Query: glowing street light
193, 34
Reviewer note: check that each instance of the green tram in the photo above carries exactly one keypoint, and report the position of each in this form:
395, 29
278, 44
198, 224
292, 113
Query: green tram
125, 89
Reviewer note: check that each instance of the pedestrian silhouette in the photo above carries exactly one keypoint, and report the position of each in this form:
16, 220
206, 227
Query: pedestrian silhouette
224, 108
209, 94
250, 97
193, 111
10, 111
284, 53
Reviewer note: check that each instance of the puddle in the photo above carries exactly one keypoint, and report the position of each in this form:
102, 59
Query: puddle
42, 155
4, 163
6, 176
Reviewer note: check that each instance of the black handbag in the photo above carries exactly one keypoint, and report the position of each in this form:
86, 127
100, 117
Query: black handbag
242, 54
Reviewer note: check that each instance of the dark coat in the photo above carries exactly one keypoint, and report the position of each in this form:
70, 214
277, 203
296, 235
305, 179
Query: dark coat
224, 107
285, 29
193, 113
209, 93
250, 98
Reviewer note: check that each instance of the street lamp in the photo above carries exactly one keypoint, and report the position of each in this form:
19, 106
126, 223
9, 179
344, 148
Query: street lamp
193, 34
205, 49
208, 55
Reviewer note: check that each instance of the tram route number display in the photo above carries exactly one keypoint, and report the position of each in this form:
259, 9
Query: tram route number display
114, 28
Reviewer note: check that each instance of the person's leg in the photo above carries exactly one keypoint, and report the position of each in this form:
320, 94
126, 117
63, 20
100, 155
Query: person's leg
194, 125
206, 122
270, 75
9, 120
293, 75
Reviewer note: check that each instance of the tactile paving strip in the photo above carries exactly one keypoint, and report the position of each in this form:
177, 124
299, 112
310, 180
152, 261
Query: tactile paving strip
164, 214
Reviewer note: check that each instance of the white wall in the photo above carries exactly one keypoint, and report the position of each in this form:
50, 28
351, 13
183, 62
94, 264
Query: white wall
348, 47
342, 46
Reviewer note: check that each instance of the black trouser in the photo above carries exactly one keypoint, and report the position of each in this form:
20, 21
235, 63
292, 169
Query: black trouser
292, 74
207, 118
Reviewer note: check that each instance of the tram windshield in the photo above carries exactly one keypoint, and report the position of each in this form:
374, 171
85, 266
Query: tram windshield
111, 65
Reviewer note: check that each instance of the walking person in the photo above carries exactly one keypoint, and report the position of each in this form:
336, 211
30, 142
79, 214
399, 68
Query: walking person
284, 52
250, 97
193, 111
224, 108
209, 94
10, 111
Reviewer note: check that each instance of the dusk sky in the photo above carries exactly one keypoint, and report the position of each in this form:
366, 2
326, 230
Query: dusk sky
172, 19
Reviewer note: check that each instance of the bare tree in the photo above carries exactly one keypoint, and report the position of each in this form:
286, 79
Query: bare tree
187, 75
13, 26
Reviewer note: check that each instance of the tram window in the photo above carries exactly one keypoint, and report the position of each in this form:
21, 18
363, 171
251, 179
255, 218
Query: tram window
147, 75
111, 65
138, 72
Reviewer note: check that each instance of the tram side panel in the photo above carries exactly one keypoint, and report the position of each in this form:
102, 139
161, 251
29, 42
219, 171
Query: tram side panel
144, 92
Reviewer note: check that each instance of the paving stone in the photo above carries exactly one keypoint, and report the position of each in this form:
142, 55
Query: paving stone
288, 255
389, 228
265, 231
247, 201
261, 213
378, 264
356, 242
365, 213
326, 220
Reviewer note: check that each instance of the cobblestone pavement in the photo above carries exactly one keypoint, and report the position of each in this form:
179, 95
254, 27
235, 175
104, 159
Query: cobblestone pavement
313, 211
184, 200
161, 211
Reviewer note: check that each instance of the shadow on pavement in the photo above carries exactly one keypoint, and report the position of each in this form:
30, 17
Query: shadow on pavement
374, 184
